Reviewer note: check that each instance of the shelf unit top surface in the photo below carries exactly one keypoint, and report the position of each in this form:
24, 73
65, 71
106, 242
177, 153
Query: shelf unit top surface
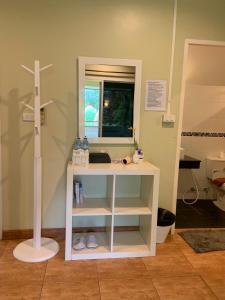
144, 168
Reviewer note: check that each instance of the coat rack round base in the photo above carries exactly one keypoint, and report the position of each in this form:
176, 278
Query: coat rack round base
27, 253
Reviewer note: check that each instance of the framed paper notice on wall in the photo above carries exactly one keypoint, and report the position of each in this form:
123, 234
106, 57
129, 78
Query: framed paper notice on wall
155, 95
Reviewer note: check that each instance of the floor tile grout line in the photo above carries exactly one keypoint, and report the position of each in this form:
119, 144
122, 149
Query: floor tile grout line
143, 262
208, 286
155, 288
98, 278
199, 276
43, 280
129, 278
175, 275
99, 290
189, 262
186, 259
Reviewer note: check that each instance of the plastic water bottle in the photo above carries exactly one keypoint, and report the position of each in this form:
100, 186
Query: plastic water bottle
78, 144
86, 150
77, 152
74, 152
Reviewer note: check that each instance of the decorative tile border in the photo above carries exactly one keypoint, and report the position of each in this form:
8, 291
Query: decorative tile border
203, 134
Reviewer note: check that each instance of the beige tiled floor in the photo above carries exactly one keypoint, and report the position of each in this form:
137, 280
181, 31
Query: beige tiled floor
175, 273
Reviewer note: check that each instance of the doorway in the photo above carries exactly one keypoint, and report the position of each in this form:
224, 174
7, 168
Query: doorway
201, 133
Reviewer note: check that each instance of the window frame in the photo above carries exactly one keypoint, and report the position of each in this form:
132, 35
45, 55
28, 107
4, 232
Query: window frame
82, 61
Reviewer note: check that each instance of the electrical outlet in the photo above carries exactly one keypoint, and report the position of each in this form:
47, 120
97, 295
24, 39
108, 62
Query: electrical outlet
168, 118
28, 116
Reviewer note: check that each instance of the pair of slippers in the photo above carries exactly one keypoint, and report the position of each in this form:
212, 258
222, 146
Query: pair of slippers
80, 242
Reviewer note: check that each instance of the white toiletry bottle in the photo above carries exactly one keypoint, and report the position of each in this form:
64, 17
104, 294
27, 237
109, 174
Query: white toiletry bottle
136, 157
86, 151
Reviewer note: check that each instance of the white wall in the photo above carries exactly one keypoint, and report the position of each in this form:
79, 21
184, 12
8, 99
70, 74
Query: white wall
204, 112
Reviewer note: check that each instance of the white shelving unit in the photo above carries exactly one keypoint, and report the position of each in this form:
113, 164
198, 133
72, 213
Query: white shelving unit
104, 200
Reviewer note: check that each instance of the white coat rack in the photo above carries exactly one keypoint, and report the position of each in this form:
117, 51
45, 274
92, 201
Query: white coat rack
39, 248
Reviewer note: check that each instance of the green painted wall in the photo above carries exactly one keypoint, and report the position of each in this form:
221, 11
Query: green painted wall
58, 32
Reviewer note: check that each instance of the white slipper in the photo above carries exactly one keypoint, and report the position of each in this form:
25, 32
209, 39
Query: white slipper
78, 242
92, 241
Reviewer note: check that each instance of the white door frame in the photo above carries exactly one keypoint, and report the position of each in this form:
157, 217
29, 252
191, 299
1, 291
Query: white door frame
188, 42
1, 196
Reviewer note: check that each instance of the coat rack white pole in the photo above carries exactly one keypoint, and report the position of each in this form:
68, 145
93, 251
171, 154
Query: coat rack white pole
37, 160
37, 249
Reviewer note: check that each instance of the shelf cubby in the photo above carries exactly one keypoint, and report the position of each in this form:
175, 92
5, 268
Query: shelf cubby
103, 248
96, 196
104, 238
131, 206
138, 241
138, 200
130, 242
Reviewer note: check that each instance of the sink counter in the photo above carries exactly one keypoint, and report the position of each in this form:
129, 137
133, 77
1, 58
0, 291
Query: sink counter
189, 162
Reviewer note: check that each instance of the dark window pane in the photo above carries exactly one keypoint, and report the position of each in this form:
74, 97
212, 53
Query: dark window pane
118, 100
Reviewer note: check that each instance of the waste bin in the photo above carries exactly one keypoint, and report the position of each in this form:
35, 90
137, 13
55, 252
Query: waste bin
164, 223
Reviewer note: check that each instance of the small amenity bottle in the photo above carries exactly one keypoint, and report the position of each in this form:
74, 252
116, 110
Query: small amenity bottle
138, 156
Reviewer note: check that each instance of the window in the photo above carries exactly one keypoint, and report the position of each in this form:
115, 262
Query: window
108, 108
117, 109
109, 99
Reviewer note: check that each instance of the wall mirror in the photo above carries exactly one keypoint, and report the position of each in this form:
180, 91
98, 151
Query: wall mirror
109, 99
